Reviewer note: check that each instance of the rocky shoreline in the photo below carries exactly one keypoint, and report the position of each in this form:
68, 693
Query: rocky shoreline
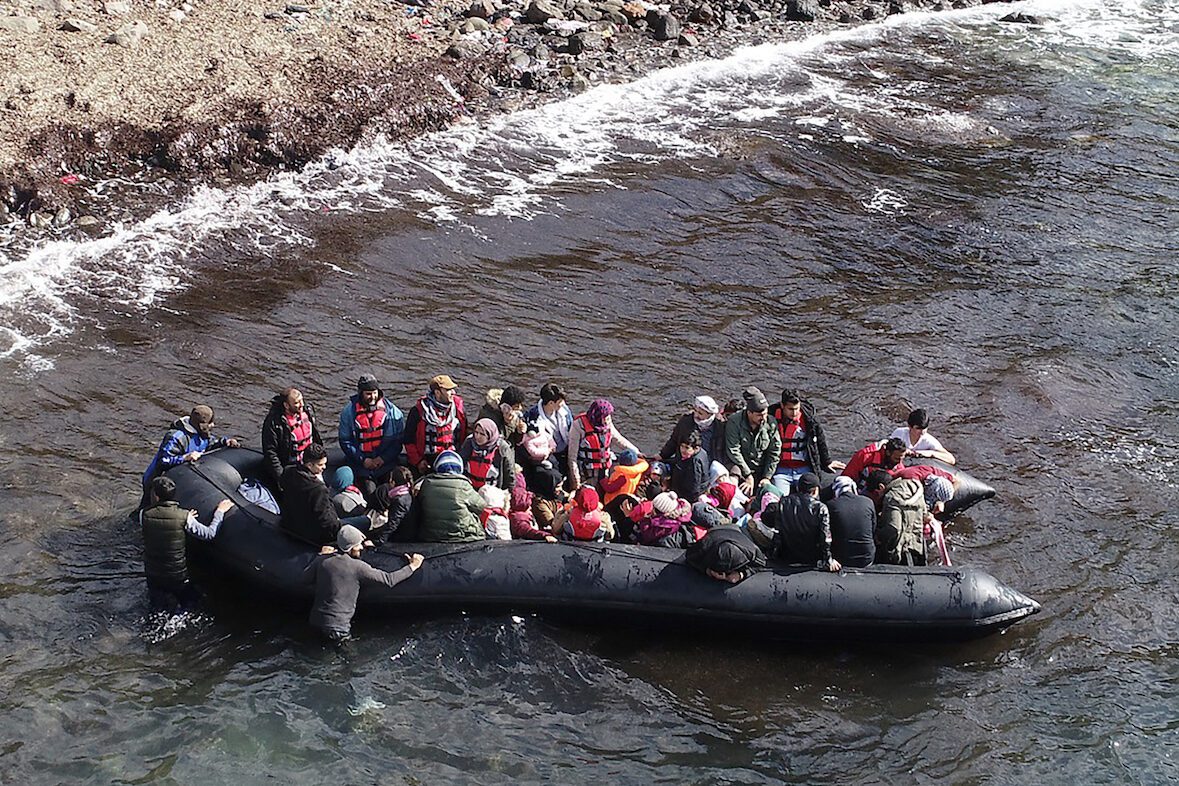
203, 91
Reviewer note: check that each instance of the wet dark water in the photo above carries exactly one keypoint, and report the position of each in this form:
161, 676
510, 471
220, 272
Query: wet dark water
954, 214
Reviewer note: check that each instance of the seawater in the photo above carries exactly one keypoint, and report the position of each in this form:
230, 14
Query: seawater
939, 211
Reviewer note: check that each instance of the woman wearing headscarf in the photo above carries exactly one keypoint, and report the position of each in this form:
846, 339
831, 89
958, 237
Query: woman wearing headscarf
595, 437
488, 459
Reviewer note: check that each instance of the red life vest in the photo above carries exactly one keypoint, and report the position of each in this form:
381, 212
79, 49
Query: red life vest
300, 426
793, 444
479, 467
594, 451
435, 439
584, 524
370, 426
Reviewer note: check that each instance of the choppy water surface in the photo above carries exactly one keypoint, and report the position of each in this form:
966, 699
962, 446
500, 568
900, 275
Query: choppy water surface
942, 211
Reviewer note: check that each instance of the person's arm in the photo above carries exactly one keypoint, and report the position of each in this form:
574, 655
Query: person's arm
673, 442
175, 450
825, 462
346, 436
309, 573
371, 575
575, 437
855, 465
507, 467
772, 455
826, 561
393, 434
271, 434
617, 439
414, 452
199, 530
936, 451
733, 448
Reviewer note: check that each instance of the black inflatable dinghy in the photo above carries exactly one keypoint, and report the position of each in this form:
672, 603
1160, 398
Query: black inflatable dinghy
619, 584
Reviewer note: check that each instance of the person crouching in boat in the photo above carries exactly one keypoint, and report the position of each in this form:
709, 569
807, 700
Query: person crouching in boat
437, 422
888, 455
446, 507
189, 438
853, 525
488, 458
726, 554
288, 429
801, 527
901, 518
752, 445
307, 510
165, 556
338, 577
594, 434
371, 431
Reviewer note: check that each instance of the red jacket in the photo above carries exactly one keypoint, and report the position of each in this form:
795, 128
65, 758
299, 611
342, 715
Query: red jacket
867, 459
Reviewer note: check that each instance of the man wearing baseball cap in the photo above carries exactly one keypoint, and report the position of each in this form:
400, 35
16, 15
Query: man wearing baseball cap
338, 578
189, 438
437, 422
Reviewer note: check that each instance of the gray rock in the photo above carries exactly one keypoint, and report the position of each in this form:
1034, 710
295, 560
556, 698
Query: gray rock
129, 36
39, 220
297, 9
20, 24
616, 17
480, 9
177, 16
664, 25
748, 7
802, 10
540, 52
5, 216
610, 6
541, 11
474, 25
868, 13
702, 14
896, 8
79, 26
1021, 18
520, 60
465, 49
62, 217
54, 7
688, 39
587, 12
87, 221
580, 43
116, 7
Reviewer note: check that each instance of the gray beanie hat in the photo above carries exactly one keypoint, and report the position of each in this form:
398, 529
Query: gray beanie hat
348, 538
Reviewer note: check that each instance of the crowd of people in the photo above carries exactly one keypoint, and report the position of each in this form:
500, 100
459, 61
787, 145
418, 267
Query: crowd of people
733, 483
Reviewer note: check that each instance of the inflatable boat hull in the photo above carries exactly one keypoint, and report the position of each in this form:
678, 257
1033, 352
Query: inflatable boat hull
628, 585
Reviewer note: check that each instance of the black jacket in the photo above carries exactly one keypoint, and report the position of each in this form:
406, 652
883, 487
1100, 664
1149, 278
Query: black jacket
714, 446
689, 479
816, 440
725, 550
853, 522
278, 443
307, 509
804, 530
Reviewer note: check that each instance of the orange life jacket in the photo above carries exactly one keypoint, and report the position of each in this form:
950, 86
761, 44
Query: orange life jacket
594, 451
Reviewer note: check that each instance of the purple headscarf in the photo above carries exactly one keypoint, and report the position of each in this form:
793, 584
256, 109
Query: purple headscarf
598, 411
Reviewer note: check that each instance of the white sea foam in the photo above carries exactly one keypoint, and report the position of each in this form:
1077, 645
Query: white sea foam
516, 165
